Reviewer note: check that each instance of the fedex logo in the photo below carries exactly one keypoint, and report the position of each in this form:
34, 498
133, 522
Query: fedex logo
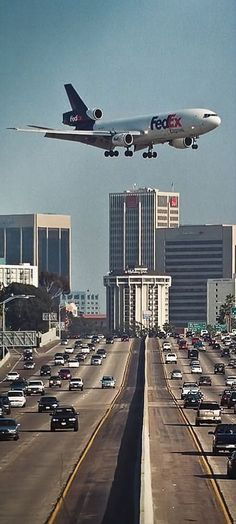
171, 121
76, 118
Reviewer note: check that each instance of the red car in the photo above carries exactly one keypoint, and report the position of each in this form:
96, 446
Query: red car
65, 374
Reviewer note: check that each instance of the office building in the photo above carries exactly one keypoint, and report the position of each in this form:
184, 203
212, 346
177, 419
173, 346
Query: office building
22, 274
192, 255
87, 302
134, 217
42, 240
217, 291
136, 298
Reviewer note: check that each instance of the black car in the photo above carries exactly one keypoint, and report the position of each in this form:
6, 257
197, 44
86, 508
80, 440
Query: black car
219, 368
6, 405
45, 370
231, 465
192, 400
28, 356
109, 340
102, 352
204, 380
64, 417
232, 399
21, 383
225, 396
47, 404
9, 429
55, 380
81, 357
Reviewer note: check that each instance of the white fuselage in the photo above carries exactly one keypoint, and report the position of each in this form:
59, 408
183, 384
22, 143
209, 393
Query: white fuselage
164, 127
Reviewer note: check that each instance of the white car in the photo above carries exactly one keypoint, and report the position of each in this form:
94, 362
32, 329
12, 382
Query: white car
187, 387
196, 368
12, 375
230, 380
69, 349
59, 361
84, 348
171, 358
166, 346
73, 363
17, 398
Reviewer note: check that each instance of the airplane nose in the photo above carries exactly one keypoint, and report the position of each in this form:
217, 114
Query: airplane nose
218, 121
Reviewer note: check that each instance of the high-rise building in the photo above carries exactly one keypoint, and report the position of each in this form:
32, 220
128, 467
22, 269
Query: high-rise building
42, 240
217, 291
136, 298
22, 274
134, 217
191, 255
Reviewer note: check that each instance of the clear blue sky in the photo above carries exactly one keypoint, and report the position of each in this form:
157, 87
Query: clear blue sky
130, 57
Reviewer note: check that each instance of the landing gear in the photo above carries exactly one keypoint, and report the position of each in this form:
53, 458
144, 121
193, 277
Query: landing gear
111, 153
194, 146
128, 152
150, 153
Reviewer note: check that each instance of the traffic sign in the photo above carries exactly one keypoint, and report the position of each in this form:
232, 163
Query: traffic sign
50, 316
220, 327
197, 326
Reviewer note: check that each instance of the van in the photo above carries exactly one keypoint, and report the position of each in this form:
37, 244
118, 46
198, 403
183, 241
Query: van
208, 412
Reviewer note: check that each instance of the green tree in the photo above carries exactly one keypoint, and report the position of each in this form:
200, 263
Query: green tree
26, 314
225, 309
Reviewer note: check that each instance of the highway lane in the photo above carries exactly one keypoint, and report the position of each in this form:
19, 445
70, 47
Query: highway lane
217, 463
106, 487
34, 470
180, 488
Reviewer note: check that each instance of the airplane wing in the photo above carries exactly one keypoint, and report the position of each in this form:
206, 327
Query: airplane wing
98, 138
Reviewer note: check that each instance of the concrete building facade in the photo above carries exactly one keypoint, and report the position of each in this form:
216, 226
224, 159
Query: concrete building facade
42, 240
217, 291
134, 217
87, 302
22, 274
136, 297
192, 255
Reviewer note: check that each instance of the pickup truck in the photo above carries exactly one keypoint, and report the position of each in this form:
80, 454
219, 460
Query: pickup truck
35, 387
224, 438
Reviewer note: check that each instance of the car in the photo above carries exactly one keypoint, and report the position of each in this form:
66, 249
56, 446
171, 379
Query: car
215, 345
59, 360
230, 380
17, 398
64, 342
224, 397
12, 375
45, 370
81, 357
193, 353
66, 356
209, 412
232, 399
166, 346
108, 381
192, 400
65, 374
204, 380
232, 363
9, 429
109, 340
102, 352
21, 383
176, 374
231, 465
96, 360
171, 358
73, 363
6, 406
100, 336
196, 368
55, 381
29, 364
47, 404
92, 346
35, 387
188, 386
224, 438
76, 383
64, 417
70, 349
27, 351
28, 357
219, 368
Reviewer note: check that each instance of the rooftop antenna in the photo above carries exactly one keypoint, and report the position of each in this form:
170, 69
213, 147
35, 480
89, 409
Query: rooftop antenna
172, 186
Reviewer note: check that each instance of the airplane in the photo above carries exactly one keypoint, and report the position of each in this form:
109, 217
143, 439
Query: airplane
179, 129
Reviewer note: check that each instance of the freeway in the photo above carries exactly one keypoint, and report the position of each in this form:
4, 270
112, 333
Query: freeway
35, 469
188, 482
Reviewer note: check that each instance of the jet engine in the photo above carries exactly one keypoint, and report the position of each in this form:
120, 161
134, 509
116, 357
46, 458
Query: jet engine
181, 143
122, 139
94, 114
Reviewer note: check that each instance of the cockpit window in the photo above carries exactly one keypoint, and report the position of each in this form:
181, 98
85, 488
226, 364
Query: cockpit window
206, 115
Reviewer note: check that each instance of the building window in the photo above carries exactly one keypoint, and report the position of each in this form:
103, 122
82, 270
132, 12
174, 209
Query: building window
27, 245
53, 251
13, 246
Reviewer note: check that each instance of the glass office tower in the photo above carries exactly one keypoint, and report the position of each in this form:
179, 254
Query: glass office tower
42, 240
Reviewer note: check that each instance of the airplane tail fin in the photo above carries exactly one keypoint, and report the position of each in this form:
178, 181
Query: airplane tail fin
76, 102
